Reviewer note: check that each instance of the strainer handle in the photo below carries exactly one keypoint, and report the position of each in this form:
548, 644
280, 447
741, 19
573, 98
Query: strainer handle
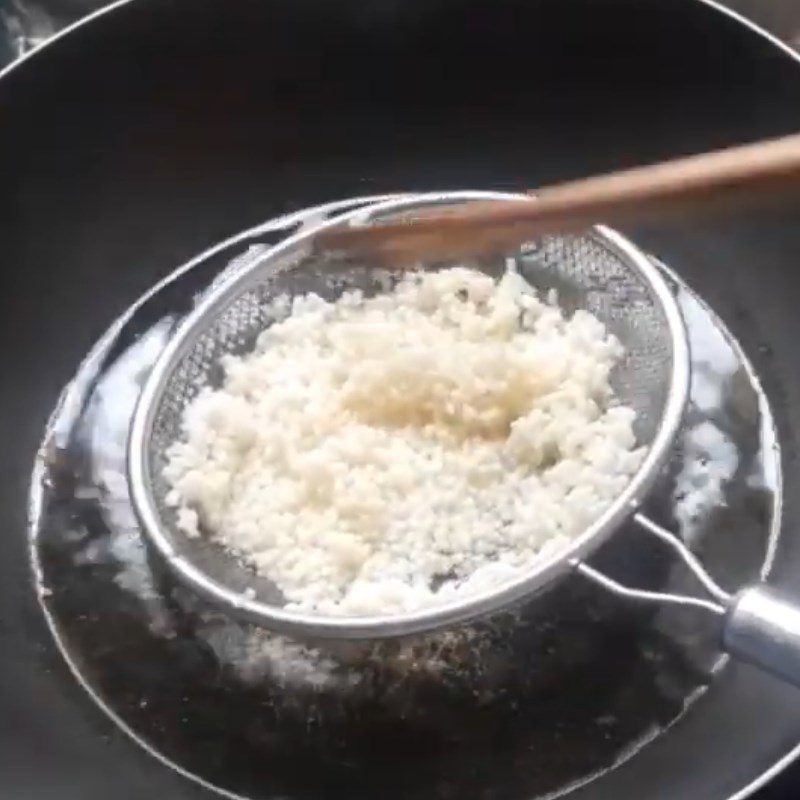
762, 627
759, 625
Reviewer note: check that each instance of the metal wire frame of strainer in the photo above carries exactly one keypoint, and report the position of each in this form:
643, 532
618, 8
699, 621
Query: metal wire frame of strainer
599, 271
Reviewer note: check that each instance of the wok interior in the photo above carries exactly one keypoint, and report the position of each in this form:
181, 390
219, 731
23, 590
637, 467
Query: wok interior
165, 127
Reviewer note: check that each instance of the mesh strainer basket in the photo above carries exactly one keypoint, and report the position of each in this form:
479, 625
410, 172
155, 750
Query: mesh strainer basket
598, 271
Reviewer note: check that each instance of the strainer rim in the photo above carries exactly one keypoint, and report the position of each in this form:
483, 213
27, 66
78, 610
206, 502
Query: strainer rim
472, 606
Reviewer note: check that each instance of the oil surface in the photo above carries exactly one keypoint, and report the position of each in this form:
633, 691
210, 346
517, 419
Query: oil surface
528, 704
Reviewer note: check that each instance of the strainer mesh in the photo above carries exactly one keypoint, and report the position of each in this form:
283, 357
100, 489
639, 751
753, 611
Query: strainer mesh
586, 271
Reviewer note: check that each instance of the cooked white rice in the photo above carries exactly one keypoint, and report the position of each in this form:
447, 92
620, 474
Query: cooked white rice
379, 455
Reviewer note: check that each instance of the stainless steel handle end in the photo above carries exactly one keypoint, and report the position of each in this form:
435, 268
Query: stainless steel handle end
762, 627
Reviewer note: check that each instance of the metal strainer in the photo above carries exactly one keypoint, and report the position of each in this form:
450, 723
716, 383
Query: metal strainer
599, 271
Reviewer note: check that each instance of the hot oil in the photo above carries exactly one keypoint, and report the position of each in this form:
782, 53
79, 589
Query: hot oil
533, 702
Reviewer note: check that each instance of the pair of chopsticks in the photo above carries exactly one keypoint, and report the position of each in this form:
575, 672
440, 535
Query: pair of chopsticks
684, 187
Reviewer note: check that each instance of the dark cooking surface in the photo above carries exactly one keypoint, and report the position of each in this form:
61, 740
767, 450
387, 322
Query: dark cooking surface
201, 134
569, 686
28, 22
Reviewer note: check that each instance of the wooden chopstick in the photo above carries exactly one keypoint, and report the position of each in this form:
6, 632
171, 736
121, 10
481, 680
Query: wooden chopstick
683, 187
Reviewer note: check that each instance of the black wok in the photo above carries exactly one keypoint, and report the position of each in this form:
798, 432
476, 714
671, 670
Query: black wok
162, 127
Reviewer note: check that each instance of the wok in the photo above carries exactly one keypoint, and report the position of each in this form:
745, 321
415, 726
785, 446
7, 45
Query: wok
160, 128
